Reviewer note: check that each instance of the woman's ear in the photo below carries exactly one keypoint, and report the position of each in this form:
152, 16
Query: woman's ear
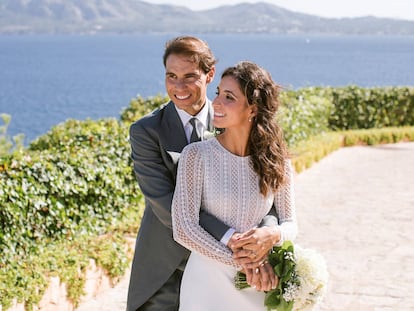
253, 112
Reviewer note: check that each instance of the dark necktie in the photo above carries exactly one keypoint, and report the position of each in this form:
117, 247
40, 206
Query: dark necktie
194, 134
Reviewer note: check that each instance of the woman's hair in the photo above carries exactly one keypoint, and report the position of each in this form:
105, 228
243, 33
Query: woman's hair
192, 47
267, 148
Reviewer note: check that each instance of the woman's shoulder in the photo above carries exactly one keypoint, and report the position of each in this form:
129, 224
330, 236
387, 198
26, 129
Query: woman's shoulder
200, 147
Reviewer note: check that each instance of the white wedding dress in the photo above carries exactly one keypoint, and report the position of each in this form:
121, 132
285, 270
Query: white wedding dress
226, 186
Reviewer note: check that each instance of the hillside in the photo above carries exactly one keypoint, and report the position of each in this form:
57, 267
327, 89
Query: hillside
133, 16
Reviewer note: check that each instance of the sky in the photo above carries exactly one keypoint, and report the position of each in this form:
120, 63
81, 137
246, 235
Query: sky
401, 9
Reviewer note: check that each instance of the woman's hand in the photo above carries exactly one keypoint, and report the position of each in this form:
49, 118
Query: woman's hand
250, 249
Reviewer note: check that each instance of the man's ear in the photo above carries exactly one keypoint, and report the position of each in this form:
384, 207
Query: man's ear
210, 75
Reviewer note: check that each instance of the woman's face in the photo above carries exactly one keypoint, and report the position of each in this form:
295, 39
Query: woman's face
231, 108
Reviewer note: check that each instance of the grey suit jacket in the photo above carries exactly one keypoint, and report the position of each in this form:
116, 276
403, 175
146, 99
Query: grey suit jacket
157, 141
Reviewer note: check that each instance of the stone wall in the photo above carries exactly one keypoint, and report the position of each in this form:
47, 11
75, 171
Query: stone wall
55, 296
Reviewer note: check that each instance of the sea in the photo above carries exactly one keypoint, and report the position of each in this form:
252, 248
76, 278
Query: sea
48, 79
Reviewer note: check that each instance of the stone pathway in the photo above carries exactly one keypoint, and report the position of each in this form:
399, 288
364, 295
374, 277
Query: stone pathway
356, 207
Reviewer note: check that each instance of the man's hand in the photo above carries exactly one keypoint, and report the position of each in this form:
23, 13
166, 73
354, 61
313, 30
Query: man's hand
262, 278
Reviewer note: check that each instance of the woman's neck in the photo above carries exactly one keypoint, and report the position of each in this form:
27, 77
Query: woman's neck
235, 142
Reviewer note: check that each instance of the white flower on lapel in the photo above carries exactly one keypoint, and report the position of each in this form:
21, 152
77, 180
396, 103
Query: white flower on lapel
214, 133
208, 135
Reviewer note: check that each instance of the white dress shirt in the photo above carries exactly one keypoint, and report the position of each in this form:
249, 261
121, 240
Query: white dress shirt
185, 118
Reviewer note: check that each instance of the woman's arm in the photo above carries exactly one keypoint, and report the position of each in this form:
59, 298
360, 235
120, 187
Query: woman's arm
185, 209
251, 248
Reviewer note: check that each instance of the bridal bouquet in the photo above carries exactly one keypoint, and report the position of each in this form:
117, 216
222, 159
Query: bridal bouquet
303, 278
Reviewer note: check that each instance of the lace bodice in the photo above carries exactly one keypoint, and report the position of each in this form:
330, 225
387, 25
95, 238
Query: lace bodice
225, 185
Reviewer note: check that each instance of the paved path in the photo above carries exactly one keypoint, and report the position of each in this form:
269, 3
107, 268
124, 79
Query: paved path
356, 207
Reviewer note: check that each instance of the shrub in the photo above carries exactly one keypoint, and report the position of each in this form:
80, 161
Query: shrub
304, 113
77, 178
378, 136
306, 153
139, 107
363, 108
7, 145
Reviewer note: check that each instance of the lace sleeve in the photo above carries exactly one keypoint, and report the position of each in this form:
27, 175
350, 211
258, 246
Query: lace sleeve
186, 205
285, 208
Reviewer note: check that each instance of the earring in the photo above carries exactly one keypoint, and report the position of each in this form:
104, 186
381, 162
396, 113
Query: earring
250, 119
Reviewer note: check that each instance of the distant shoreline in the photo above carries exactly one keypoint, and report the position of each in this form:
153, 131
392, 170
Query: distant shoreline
68, 17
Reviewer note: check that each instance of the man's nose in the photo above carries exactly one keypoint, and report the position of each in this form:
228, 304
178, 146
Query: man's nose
180, 83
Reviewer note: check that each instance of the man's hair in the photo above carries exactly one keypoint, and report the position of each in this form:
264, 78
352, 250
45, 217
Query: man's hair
194, 48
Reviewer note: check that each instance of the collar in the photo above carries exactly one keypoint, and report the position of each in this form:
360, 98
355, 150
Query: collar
202, 116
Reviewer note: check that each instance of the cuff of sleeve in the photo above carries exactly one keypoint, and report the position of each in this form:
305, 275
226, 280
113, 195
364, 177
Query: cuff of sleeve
226, 237
280, 242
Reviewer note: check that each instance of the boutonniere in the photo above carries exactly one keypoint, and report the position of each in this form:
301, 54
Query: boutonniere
210, 134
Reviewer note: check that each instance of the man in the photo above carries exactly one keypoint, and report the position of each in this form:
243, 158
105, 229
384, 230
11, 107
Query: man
157, 141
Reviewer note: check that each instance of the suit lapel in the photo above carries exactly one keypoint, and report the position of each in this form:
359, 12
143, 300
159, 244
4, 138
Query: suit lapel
172, 135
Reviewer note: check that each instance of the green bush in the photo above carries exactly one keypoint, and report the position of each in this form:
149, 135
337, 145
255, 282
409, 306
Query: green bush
7, 144
139, 107
77, 178
304, 113
363, 108
305, 153
378, 136
25, 278
308, 152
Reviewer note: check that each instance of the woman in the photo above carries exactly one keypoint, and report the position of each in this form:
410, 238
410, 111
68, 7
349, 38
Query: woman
237, 176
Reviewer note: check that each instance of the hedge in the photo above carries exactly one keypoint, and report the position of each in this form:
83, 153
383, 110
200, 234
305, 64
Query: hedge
363, 108
75, 179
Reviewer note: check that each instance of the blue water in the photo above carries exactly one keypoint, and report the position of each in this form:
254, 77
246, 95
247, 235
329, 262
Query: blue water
45, 80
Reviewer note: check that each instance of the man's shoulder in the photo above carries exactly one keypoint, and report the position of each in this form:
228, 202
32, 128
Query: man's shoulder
153, 118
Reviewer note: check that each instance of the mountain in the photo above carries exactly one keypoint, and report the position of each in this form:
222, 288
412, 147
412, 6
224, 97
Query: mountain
133, 16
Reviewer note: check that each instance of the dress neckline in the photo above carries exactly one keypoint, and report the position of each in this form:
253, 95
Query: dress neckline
220, 146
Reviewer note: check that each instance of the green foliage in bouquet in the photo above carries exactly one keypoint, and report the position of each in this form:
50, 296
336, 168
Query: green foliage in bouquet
281, 258
303, 278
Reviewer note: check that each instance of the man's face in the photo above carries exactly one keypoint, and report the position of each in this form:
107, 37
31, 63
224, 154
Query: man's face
186, 83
